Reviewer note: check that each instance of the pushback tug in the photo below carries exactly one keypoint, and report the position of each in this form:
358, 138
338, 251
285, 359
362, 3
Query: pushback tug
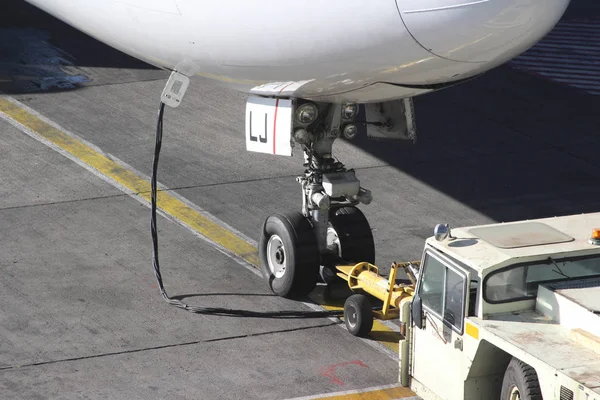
505, 311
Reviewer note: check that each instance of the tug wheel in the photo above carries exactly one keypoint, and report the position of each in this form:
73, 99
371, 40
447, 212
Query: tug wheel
520, 382
289, 254
358, 315
352, 234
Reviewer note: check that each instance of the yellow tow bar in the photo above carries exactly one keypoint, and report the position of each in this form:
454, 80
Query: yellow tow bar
364, 278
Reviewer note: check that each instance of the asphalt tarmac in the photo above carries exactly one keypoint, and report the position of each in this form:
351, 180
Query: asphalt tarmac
80, 314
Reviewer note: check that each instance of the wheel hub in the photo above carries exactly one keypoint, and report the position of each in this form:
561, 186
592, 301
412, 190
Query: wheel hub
333, 241
352, 317
514, 394
276, 256
280, 256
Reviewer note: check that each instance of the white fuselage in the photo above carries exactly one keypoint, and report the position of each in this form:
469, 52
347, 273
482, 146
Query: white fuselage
354, 50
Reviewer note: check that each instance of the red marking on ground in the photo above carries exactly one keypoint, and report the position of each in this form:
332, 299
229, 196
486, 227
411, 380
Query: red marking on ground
330, 370
151, 282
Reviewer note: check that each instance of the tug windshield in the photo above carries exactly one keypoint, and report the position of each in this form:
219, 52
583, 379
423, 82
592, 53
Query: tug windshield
521, 281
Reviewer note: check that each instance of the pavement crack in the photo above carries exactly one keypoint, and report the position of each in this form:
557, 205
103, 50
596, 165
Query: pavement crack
164, 189
53, 203
303, 328
206, 185
167, 346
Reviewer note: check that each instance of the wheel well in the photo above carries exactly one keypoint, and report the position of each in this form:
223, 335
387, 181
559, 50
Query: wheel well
486, 372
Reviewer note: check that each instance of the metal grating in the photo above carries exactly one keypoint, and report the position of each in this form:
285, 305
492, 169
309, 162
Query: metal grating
579, 284
565, 394
570, 54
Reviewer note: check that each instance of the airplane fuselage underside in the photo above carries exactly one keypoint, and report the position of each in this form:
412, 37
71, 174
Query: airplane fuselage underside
361, 51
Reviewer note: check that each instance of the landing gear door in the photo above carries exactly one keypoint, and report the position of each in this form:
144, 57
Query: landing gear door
269, 125
438, 345
391, 120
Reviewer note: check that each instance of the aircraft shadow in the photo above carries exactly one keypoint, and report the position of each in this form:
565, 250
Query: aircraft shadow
39, 53
508, 144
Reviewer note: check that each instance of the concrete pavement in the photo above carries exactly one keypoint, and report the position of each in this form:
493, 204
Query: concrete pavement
80, 314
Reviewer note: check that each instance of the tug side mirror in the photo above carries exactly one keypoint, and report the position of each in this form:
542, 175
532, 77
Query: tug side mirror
416, 311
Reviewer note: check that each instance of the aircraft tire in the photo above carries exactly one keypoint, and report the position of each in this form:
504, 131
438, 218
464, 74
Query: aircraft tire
289, 254
354, 234
358, 315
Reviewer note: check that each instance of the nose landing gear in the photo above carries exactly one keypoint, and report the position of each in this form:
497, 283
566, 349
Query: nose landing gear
298, 248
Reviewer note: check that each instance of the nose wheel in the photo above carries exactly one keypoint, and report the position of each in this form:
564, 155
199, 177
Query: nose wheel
289, 254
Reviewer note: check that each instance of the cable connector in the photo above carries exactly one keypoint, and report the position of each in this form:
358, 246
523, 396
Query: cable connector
175, 89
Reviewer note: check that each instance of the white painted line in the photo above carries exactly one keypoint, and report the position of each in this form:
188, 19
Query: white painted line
356, 391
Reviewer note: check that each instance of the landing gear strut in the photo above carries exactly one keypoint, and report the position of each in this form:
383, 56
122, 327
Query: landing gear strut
295, 248
298, 248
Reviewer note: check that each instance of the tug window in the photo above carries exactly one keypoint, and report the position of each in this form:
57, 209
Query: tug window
442, 291
520, 282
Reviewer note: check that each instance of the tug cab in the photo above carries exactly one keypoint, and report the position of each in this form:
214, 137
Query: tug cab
507, 311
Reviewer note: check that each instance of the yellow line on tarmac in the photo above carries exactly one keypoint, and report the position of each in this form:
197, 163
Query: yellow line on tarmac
132, 181
167, 203
385, 394
381, 393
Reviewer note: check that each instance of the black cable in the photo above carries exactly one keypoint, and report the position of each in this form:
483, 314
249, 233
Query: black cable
207, 310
